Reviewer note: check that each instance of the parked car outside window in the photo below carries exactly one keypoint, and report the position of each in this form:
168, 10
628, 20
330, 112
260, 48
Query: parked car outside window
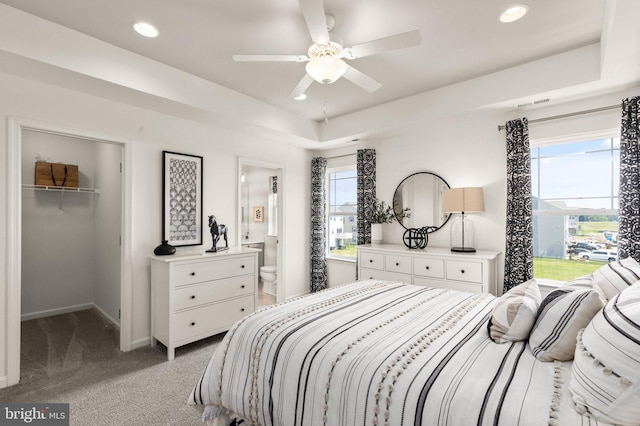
588, 246
578, 250
603, 255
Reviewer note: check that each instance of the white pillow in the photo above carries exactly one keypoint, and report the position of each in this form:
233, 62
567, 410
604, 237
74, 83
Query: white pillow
616, 276
605, 376
514, 313
561, 315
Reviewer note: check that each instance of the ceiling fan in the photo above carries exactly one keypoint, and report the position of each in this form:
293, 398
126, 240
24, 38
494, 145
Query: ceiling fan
325, 57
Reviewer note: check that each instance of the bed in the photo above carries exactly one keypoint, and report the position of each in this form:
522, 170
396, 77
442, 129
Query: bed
381, 353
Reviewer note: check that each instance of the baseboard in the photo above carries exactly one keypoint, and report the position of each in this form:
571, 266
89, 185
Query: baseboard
141, 343
56, 311
107, 316
3, 382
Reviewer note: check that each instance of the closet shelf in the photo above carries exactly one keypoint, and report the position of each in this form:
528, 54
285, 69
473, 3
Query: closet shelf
61, 189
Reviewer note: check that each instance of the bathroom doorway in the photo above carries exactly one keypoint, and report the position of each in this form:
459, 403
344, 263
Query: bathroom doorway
259, 223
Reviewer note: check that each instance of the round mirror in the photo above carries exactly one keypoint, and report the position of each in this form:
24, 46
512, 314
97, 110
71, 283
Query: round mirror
422, 193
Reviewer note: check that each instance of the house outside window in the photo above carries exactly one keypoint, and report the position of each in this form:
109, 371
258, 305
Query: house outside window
342, 233
575, 206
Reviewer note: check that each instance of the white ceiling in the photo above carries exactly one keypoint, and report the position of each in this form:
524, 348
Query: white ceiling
463, 43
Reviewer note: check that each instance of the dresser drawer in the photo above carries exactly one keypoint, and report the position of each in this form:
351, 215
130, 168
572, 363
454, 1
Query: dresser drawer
464, 271
452, 285
197, 272
191, 324
372, 260
375, 274
400, 264
433, 268
212, 291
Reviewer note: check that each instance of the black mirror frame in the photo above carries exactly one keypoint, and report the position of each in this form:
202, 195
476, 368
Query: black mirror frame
417, 238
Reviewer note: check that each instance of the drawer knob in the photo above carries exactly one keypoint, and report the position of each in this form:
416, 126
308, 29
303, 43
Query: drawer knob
192, 274
242, 286
370, 260
397, 263
193, 323
241, 309
193, 296
242, 266
426, 267
462, 271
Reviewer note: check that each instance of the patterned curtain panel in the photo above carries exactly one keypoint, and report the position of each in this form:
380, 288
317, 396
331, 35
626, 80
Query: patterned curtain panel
366, 167
518, 258
318, 224
629, 208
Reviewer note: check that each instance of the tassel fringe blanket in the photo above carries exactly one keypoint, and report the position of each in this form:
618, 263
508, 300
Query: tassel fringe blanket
380, 353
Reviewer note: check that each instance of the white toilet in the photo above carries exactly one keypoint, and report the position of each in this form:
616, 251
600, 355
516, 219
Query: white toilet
268, 272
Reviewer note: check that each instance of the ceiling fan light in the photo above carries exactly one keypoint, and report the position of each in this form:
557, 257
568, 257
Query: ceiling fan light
326, 69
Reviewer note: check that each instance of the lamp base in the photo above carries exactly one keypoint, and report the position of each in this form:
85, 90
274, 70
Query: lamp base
463, 249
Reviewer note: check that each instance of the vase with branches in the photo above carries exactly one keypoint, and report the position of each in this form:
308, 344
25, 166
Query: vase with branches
383, 213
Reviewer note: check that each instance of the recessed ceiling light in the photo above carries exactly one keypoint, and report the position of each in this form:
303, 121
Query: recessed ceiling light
301, 97
145, 29
514, 13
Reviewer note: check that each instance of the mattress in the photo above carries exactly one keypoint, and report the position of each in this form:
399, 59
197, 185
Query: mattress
381, 353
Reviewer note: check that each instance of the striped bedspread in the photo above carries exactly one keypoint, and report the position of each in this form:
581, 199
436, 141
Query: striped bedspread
381, 353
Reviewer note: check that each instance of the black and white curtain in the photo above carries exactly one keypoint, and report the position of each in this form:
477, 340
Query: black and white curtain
629, 194
366, 169
318, 224
518, 258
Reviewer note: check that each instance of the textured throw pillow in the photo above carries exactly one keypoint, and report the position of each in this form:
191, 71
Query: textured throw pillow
614, 277
562, 313
605, 376
514, 313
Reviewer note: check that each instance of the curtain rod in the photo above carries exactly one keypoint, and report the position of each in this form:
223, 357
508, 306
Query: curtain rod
570, 114
339, 156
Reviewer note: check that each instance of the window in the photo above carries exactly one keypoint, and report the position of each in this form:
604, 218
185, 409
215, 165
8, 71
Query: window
575, 207
342, 234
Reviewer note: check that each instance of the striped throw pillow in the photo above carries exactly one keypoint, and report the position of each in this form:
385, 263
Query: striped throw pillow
514, 313
562, 313
614, 277
605, 375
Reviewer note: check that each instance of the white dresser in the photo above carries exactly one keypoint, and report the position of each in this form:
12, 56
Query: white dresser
433, 267
197, 296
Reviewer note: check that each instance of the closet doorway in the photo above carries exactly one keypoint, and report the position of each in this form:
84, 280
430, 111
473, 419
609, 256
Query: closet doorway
260, 223
70, 243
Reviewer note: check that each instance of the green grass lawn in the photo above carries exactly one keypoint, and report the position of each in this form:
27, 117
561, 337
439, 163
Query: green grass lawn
591, 228
563, 270
348, 250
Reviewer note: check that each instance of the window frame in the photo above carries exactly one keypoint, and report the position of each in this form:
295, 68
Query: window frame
329, 171
584, 137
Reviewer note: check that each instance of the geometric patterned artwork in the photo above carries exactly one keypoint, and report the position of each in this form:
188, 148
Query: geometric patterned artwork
182, 199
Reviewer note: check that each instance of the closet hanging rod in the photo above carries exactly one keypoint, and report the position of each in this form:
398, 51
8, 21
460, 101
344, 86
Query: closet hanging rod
570, 114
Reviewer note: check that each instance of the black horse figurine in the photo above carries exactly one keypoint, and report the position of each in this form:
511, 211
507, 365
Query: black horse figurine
216, 231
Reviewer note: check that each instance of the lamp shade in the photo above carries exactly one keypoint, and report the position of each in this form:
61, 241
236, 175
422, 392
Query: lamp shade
458, 200
326, 69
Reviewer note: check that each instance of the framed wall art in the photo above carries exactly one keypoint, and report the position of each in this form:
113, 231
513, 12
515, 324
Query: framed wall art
258, 214
181, 199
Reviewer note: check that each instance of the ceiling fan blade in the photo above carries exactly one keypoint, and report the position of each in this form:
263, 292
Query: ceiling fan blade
269, 58
313, 11
361, 79
302, 86
398, 41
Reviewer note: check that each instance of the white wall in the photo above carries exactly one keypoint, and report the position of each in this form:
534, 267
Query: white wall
57, 230
151, 133
256, 189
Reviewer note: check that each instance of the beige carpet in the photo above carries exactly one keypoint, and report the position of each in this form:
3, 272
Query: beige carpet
74, 358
